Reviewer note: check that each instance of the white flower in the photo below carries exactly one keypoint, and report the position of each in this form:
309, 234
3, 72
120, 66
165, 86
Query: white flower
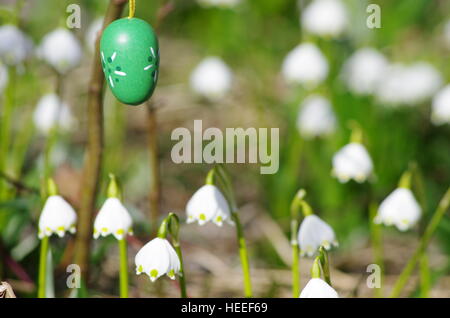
400, 208
208, 204
313, 234
352, 162
219, 3
3, 77
440, 110
51, 111
408, 85
212, 78
92, 32
113, 218
364, 70
305, 65
60, 49
157, 258
316, 117
15, 46
317, 288
327, 18
57, 217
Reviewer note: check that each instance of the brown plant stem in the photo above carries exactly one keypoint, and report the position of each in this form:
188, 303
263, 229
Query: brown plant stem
93, 159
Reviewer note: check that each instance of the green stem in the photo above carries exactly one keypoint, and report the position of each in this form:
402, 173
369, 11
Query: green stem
425, 240
295, 215
43, 267
244, 255
324, 262
376, 238
295, 270
177, 247
424, 270
123, 268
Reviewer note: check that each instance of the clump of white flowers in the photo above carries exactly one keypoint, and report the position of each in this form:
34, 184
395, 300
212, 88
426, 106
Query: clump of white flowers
219, 3
316, 117
440, 108
61, 50
50, 112
208, 204
15, 46
57, 216
212, 78
408, 85
305, 65
326, 18
364, 70
400, 208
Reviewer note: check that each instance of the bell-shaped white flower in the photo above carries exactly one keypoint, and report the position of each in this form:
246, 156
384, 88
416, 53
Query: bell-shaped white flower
316, 117
305, 65
92, 33
440, 109
208, 204
408, 85
3, 78
15, 46
212, 78
318, 288
157, 258
364, 70
313, 234
219, 3
51, 111
113, 218
57, 217
327, 18
352, 162
61, 50
400, 208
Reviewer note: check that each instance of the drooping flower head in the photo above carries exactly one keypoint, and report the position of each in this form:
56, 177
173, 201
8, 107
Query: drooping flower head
57, 216
15, 46
305, 65
61, 50
208, 204
327, 18
157, 258
51, 111
440, 108
316, 117
212, 78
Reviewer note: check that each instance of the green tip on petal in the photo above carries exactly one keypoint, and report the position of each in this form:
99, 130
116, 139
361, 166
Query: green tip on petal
202, 217
154, 273
140, 269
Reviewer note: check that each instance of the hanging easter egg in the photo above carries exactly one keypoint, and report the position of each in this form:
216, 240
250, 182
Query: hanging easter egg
130, 59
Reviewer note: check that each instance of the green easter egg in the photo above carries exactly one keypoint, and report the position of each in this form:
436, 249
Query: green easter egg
130, 59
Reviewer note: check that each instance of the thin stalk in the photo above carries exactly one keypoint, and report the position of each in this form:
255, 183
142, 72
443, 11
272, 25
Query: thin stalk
425, 280
324, 262
43, 267
93, 161
295, 216
177, 247
243, 255
423, 244
376, 238
123, 268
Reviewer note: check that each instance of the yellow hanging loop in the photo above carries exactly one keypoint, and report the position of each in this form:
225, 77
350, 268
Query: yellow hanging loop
132, 6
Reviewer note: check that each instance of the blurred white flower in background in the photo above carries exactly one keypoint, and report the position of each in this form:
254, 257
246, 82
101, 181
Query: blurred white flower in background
364, 70
440, 108
57, 217
113, 218
316, 117
157, 258
212, 78
219, 3
51, 111
3, 77
318, 288
61, 50
91, 34
400, 208
408, 85
327, 18
208, 204
305, 65
314, 233
352, 162
15, 46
